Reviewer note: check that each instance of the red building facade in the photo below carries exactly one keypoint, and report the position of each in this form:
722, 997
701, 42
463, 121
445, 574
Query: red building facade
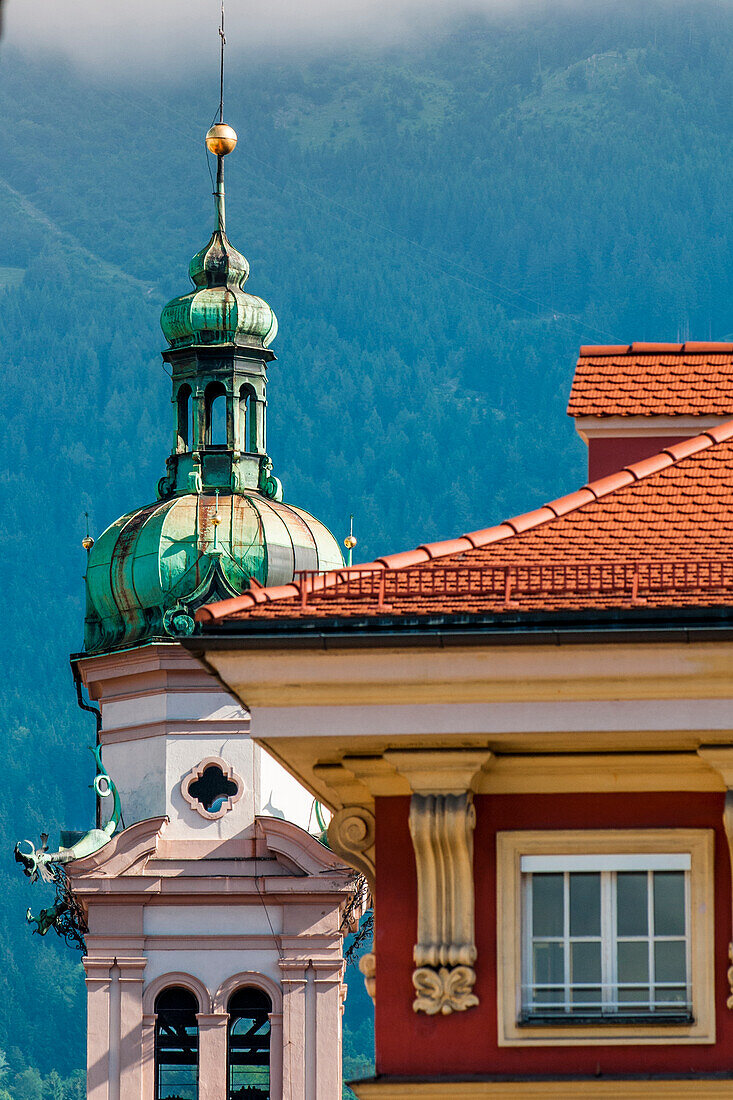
526, 737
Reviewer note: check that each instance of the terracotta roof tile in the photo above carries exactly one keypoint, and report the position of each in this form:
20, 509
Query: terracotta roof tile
642, 379
660, 536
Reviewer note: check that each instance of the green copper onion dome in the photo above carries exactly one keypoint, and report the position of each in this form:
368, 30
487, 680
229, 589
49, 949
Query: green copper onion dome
218, 311
220, 522
150, 570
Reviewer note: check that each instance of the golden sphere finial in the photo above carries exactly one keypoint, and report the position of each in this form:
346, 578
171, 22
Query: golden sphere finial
350, 542
87, 542
221, 139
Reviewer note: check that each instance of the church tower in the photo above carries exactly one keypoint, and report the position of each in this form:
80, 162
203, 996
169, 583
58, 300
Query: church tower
212, 916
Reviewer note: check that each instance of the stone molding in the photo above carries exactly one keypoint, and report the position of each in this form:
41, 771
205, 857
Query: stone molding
297, 847
197, 772
126, 851
584, 1089
250, 979
177, 977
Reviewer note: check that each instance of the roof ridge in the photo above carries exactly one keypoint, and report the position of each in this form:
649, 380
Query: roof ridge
516, 525
640, 347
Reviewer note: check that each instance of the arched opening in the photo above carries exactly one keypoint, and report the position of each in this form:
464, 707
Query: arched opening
215, 401
249, 1045
176, 1045
184, 427
248, 418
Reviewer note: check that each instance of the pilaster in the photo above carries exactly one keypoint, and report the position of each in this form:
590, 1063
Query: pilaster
148, 1056
131, 1027
276, 1055
98, 983
294, 1024
213, 1031
327, 975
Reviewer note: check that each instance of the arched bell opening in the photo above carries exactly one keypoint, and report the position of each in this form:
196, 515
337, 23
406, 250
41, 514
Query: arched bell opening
176, 1045
248, 419
184, 426
248, 1055
216, 419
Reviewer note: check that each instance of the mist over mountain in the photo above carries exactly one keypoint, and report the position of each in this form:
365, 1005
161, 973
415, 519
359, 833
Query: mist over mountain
438, 226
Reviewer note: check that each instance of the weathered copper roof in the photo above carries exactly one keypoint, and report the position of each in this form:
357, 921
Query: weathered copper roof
150, 569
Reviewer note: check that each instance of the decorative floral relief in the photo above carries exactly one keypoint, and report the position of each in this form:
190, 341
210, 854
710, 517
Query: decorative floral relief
444, 990
212, 788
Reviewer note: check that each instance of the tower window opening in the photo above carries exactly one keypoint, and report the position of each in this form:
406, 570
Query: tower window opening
249, 1045
176, 1045
184, 428
216, 415
248, 418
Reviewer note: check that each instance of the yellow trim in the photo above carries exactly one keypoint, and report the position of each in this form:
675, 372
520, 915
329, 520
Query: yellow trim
511, 846
632, 671
560, 773
528, 1090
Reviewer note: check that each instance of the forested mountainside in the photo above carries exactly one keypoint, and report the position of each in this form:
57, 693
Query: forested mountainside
437, 226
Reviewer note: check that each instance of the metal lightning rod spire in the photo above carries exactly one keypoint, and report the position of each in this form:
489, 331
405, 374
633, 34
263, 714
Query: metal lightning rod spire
221, 138
222, 36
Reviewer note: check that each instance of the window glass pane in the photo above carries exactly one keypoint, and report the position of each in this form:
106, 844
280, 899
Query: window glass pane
547, 905
669, 903
585, 963
674, 998
549, 997
549, 964
632, 903
585, 905
670, 961
636, 998
633, 961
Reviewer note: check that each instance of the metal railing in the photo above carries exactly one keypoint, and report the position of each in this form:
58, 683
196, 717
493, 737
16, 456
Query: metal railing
509, 584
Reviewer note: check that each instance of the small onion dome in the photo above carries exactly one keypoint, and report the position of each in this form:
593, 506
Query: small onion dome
218, 311
151, 569
221, 139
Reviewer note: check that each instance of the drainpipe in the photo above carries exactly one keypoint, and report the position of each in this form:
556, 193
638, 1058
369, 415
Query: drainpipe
98, 719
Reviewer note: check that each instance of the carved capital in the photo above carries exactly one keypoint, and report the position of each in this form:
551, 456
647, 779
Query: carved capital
351, 836
444, 990
368, 968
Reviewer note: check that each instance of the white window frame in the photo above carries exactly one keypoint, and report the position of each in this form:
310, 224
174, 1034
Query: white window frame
607, 866
522, 853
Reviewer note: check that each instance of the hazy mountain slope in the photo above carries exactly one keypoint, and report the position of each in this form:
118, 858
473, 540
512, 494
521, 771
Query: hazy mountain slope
437, 228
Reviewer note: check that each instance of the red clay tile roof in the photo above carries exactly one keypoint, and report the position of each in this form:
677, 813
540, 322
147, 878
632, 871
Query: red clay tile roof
658, 533
691, 379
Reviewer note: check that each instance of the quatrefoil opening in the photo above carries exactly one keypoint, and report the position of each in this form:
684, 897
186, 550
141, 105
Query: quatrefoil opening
212, 788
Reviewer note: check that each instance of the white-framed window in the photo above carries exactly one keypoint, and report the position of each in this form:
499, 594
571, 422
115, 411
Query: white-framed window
605, 936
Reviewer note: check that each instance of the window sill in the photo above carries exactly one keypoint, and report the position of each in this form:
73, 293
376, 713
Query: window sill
615, 1020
